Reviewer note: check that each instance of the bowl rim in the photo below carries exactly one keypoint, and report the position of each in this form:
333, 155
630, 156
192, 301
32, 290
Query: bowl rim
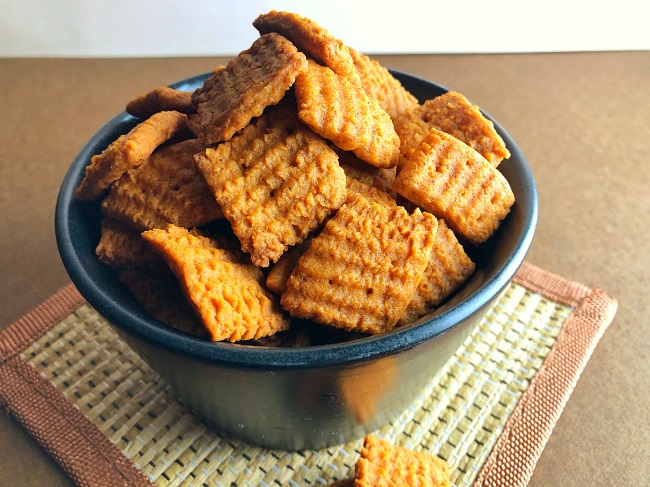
235, 355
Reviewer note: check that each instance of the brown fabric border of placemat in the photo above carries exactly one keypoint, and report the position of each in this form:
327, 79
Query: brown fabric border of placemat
77, 444
513, 458
91, 459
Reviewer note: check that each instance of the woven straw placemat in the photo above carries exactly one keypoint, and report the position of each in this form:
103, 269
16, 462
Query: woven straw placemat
109, 419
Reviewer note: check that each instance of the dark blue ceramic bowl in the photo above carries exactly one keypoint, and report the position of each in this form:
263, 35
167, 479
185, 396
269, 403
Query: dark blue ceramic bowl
295, 398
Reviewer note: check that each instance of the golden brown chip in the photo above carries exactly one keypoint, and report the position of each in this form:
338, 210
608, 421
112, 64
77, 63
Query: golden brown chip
255, 79
377, 177
362, 270
122, 247
160, 294
168, 188
275, 182
224, 290
277, 278
454, 182
378, 83
384, 464
128, 151
161, 99
342, 112
454, 114
449, 267
373, 194
311, 39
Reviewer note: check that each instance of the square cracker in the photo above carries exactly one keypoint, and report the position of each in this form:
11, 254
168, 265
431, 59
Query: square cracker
310, 38
122, 247
449, 267
451, 113
361, 272
383, 464
255, 79
168, 188
380, 84
275, 182
128, 151
224, 289
456, 183
342, 112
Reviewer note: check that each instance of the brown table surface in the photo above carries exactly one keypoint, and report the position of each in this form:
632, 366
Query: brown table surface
581, 119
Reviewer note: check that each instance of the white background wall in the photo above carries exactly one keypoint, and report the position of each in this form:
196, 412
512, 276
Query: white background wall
223, 27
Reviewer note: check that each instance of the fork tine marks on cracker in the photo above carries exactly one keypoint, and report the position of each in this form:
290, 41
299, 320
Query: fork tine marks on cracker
362, 270
128, 151
343, 113
312, 39
256, 78
225, 291
275, 182
454, 182
168, 188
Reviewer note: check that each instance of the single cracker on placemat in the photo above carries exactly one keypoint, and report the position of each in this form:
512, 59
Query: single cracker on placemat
310, 38
342, 112
160, 294
449, 267
128, 151
362, 270
122, 247
161, 99
456, 183
384, 464
454, 114
225, 290
255, 79
378, 83
168, 188
275, 182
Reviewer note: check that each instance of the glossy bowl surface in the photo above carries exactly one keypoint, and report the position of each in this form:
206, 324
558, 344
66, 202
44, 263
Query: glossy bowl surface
294, 398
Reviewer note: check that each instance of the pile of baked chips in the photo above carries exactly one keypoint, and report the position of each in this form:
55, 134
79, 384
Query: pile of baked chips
301, 187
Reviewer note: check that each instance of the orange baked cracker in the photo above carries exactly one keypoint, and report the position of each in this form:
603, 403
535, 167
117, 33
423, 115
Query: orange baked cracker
310, 38
277, 278
380, 84
454, 182
255, 79
342, 112
161, 99
383, 464
122, 247
168, 188
363, 268
224, 289
377, 177
128, 151
160, 294
454, 114
275, 182
449, 267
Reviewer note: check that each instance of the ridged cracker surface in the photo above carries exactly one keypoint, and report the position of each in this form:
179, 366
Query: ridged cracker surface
454, 182
275, 182
449, 267
255, 79
362, 270
342, 112
168, 188
387, 465
378, 83
312, 39
225, 290
454, 114
128, 151
122, 247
